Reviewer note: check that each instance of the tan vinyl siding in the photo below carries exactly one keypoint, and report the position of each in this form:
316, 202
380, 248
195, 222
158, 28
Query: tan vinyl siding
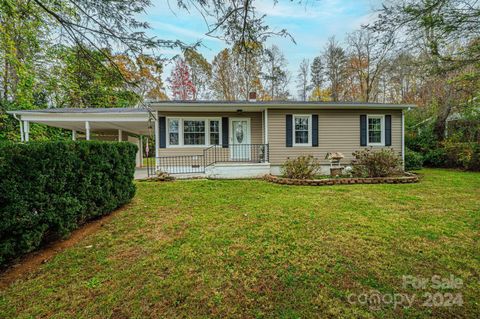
255, 123
339, 131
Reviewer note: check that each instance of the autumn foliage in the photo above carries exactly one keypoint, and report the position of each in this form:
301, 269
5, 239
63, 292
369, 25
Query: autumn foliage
180, 80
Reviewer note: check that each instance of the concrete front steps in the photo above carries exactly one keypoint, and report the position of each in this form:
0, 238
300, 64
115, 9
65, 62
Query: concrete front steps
237, 170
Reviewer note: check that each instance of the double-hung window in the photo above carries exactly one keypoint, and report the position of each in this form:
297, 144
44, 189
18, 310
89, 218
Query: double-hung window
173, 132
376, 130
193, 131
214, 132
302, 125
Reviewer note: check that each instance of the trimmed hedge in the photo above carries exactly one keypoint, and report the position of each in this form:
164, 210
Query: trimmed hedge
47, 189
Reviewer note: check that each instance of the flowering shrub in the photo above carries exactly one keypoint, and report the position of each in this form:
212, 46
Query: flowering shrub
370, 163
302, 167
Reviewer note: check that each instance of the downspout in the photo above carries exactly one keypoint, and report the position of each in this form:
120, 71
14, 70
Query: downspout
403, 139
21, 127
157, 142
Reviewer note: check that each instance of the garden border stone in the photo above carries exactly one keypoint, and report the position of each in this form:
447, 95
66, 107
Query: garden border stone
343, 180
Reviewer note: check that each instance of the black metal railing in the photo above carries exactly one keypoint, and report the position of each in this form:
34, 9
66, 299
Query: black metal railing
235, 153
181, 164
190, 164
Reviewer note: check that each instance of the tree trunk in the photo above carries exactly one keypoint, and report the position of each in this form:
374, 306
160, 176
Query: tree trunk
441, 120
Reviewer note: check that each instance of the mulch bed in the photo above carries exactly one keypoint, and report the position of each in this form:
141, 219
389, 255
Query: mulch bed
343, 180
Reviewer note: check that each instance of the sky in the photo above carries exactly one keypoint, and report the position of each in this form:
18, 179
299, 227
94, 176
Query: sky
310, 23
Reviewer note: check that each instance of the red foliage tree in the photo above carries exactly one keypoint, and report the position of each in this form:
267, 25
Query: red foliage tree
180, 81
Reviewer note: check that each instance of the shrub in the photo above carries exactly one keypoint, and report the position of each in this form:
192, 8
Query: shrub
413, 160
302, 167
370, 163
435, 158
465, 155
47, 189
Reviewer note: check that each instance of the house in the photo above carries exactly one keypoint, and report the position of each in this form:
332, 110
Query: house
233, 139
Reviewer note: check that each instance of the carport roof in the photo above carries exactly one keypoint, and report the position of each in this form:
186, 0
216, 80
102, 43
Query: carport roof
82, 110
131, 120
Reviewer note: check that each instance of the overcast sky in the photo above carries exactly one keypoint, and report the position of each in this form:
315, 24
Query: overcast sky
310, 23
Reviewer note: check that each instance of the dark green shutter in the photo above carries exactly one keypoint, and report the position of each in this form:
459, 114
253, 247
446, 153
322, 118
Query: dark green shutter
288, 130
163, 131
363, 130
225, 132
388, 130
314, 130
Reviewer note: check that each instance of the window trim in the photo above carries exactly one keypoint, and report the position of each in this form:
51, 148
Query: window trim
294, 132
382, 129
181, 133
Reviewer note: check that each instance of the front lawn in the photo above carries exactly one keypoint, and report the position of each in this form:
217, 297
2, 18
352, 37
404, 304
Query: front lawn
251, 249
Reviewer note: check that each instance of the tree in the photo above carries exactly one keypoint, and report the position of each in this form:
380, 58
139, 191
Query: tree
321, 95
317, 74
97, 25
84, 81
181, 83
302, 79
247, 70
367, 56
403, 79
223, 76
237, 22
275, 73
445, 33
200, 71
335, 66
235, 73
143, 75
21, 59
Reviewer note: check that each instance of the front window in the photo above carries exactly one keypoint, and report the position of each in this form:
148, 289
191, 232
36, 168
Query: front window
193, 132
302, 129
173, 129
214, 132
375, 130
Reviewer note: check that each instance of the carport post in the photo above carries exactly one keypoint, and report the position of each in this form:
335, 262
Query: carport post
140, 146
26, 131
74, 135
87, 130
157, 142
21, 131
119, 135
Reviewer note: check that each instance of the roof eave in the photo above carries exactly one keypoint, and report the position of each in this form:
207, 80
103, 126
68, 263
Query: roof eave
163, 105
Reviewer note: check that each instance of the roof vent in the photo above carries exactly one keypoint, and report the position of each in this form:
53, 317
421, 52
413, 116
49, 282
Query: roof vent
252, 96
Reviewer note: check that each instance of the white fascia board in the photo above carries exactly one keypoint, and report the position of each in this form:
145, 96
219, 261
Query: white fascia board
245, 107
81, 117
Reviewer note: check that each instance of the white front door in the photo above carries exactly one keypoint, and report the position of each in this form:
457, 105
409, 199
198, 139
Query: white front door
240, 138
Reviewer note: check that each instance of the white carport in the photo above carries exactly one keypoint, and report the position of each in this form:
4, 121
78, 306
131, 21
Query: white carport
111, 124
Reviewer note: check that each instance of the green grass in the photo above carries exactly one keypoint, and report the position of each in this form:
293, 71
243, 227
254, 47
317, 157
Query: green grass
250, 249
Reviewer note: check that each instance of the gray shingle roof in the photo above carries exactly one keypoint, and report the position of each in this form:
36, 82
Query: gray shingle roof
267, 102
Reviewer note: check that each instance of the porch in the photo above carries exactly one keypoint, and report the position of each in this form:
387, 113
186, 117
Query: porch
216, 161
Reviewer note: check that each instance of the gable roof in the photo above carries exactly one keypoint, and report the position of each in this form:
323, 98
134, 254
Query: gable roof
216, 106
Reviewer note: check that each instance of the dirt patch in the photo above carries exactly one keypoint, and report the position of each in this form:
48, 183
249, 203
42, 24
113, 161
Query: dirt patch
30, 262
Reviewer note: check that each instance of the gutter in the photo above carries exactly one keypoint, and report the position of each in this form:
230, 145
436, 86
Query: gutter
160, 106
